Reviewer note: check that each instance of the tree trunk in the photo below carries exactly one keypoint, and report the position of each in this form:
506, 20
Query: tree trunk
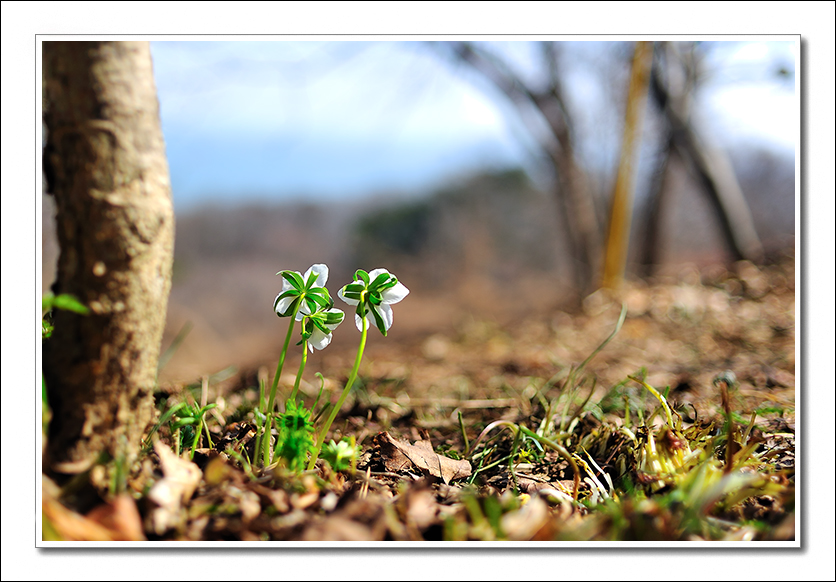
710, 164
621, 211
574, 202
106, 167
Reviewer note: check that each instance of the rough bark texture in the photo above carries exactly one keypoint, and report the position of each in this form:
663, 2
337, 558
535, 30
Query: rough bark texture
106, 167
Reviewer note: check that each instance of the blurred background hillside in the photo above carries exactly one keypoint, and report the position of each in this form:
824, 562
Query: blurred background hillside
458, 167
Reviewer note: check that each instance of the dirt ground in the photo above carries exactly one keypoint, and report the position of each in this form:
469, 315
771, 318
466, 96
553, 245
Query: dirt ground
427, 392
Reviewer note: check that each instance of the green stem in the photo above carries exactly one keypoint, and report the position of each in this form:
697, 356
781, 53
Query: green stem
259, 433
321, 439
265, 441
196, 437
658, 396
299, 373
516, 429
272, 400
268, 423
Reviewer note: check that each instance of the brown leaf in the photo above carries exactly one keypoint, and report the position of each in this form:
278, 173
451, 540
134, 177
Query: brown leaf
121, 517
524, 523
398, 456
72, 526
180, 479
337, 529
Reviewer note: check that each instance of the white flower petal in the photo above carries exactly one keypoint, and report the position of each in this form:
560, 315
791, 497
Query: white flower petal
284, 304
319, 340
358, 321
395, 294
321, 271
333, 326
347, 299
373, 274
386, 314
303, 310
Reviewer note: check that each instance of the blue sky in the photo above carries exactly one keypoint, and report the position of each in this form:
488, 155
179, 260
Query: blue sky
322, 119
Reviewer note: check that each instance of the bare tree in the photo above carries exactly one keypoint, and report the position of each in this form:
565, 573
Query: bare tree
571, 188
105, 165
671, 91
674, 79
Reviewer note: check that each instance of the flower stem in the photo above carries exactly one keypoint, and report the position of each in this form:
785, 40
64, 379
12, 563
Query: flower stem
272, 400
268, 424
321, 439
304, 361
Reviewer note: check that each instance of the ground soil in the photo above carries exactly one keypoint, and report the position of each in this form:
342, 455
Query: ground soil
680, 333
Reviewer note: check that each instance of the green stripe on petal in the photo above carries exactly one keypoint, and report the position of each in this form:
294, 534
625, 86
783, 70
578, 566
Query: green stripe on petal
378, 320
294, 279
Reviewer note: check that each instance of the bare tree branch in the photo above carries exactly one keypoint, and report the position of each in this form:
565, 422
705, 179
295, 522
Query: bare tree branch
577, 212
710, 163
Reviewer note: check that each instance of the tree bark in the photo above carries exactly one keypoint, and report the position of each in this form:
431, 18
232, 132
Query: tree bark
106, 167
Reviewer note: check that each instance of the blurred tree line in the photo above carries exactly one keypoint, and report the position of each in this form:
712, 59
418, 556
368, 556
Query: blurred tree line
544, 101
500, 228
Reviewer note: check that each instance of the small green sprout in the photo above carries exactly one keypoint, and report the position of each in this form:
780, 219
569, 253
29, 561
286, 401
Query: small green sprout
296, 432
342, 455
64, 301
183, 416
49, 302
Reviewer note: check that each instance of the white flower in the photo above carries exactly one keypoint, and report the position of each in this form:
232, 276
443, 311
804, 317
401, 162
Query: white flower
308, 291
373, 293
318, 326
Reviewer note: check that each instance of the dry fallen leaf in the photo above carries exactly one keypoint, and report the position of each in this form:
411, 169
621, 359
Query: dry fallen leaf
398, 455
114, 520
121, 517
525, 522
72, 526
180, 479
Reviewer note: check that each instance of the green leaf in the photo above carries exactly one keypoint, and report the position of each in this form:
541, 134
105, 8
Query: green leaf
333, 317
321, 301
293, 278
46, 329
46, 302
291, 307
183, 422
321, 292
67, 303
392, 282
321, 327
361, 275
378, 281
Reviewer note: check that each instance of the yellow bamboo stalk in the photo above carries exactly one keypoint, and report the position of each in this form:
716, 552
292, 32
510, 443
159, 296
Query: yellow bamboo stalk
621, 212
